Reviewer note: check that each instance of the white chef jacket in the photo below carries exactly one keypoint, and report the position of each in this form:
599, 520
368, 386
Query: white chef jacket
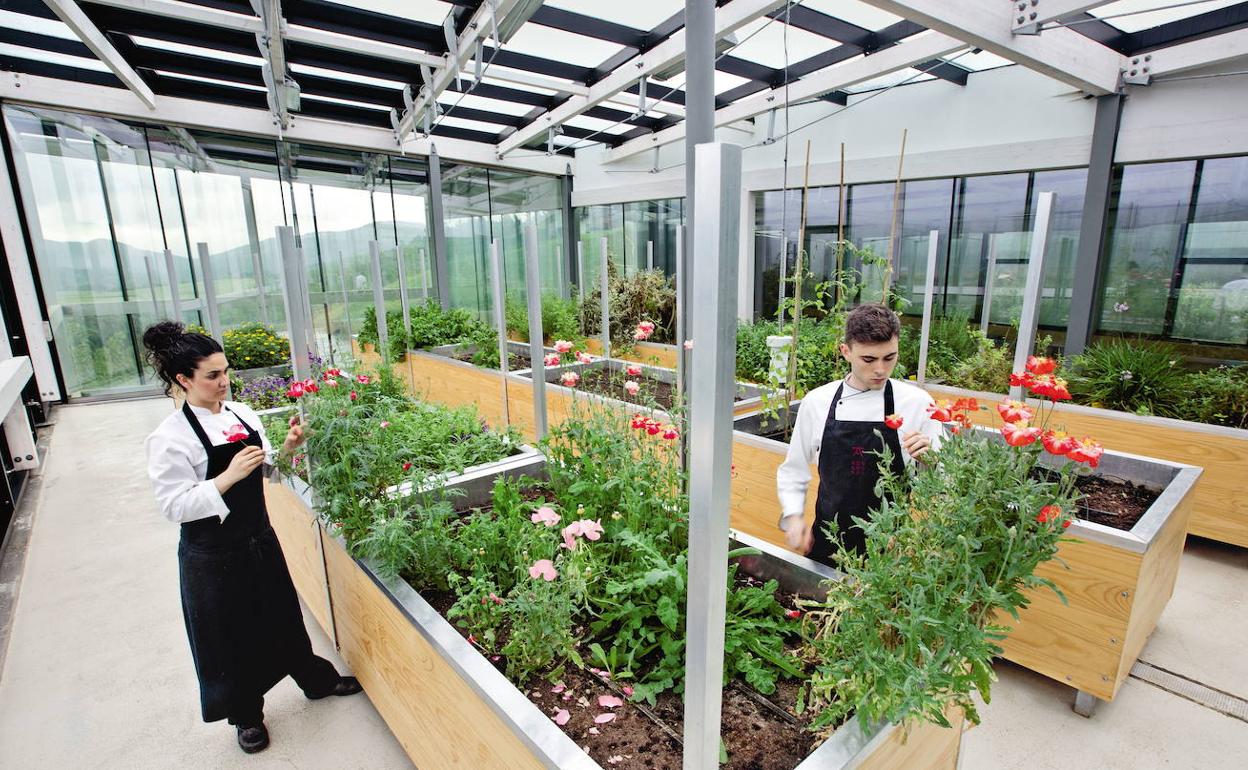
177, 462
793, 476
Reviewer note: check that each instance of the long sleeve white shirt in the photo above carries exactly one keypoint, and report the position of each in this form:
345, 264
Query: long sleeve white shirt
178, 464
793, 476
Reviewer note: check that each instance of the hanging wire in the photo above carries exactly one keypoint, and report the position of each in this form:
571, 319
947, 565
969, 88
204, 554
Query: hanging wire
585, 141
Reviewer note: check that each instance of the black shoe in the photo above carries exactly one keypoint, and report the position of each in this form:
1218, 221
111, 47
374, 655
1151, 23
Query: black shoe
252, 739
346, 685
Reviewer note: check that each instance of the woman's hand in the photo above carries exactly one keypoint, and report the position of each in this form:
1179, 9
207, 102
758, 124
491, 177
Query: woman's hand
246, 461
294, 437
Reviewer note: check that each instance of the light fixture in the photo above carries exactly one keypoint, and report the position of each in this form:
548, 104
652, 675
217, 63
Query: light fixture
722, 46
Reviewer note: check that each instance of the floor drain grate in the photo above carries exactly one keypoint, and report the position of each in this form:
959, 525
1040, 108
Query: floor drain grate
1194, 691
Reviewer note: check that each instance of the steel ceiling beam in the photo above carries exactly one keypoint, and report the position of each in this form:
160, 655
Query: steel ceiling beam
91, 36
1028, 16
844, 75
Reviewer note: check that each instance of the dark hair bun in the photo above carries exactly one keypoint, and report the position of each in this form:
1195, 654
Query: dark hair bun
160, 337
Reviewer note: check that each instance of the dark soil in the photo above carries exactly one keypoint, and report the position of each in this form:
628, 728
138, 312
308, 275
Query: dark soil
611, 384
1109, 501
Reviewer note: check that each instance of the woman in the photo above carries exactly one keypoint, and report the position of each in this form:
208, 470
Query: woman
242, 617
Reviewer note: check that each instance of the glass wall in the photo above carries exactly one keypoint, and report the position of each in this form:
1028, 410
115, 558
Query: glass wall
640, 235
107, 202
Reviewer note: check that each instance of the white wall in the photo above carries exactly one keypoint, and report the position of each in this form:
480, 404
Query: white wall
1007, 119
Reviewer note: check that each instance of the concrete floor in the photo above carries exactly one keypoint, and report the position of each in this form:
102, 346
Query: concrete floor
98, 673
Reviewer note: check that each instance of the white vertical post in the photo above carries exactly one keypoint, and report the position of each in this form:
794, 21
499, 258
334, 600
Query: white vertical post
173, 286
151, 284
533, 284
605, 304
258, 268
403, 298
929, 291
307, 302
649, 255
1031, 293
346, 298
424, 277
500, 323
210, 292
580, 269
682, 356
293, 290
714, 322
379, 302
989, 283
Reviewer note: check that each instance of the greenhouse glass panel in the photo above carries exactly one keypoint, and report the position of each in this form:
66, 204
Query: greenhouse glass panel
869, 216
1062, 249
594, 224
925, 207
409, 182
776, 217
1148, 213
517, 201
1212, 301
990, 229
466, 208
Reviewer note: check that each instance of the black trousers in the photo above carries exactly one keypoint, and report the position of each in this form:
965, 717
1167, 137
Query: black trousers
315, 676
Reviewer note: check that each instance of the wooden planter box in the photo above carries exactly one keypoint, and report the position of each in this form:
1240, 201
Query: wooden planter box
450, 708
1116, 586
655, 353
1219, 506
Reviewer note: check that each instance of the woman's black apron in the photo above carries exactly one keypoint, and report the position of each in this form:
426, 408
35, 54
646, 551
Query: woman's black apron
848, 472
242, 615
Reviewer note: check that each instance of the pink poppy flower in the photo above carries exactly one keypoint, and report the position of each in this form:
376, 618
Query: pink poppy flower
633, 370
354, 395
562, 717
670, 433
545, 515
628, 691
602, 719
563, 346
237, 432
543, 568
590, 529
385, 423
570, 534
495, 598
570, 379
558, 688
362, 379
584, 357
331, 383
551, 359
646, 326
609, 701
296, 390
631, 387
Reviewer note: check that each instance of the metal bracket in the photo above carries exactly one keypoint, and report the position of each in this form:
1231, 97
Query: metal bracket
1085, 703
1024, 18
1139, 71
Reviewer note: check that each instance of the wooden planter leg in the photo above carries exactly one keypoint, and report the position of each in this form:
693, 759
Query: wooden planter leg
1085, 703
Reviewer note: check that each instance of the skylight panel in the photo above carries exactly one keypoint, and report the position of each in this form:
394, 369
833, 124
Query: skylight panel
854, 12
50, 57
346, 102
346, 77
1147, 19
598, 124
764, 43
40, 26
907, 75
724, 81
550, 43
427, 11
475, 125
482, 103
981, 61
195, 50
638, 14
213, 81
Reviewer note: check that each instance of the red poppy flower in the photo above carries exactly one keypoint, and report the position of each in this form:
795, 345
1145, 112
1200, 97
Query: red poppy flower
354, 395
653, 428
1065, 523
1014, 411
940, 411
1019, 434
1024, 379
1050, 387
793, 614
1086, 451
893, 421
310, 386
296, 390
1058, 442
1049, 513
966, 405
362, 379
1039, 365
638, 421
670, 433
235, 433
407, 466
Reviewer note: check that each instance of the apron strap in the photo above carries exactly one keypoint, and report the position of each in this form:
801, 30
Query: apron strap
835, 399
195, 426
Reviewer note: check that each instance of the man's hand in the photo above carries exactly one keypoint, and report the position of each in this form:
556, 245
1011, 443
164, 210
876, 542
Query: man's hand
915, 443
294, 437
798, 534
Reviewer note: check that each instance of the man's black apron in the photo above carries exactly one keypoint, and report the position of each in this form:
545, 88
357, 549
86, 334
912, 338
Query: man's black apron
848, 472
242, 615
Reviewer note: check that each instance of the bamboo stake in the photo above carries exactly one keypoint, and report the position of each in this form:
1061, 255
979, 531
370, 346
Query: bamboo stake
892, 232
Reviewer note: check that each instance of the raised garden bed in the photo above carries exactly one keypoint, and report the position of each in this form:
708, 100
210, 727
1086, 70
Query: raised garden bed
1219, 507
1117, 584
654, 353
450, 707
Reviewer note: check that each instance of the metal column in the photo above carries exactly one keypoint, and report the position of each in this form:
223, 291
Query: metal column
714, 320
293, 290
500, 321
1031, 293
379, 302
437, 225
1092, 227
649, 255
929, 291
570, 241
172, 272
210, 292
533, 285
699, 128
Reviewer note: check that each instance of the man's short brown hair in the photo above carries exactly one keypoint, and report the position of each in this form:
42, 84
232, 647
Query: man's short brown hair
871, 324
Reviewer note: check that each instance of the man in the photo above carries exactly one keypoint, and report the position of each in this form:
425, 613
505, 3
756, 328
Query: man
837, 424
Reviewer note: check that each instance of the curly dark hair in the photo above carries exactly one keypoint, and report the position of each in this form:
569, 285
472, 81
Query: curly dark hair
172, 350
871, 324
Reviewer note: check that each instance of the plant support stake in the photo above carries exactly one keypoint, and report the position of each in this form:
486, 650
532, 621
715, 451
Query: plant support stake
533, 285
379, 303
714, 321
1031, 293
210, 293
500, 321
929, 290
